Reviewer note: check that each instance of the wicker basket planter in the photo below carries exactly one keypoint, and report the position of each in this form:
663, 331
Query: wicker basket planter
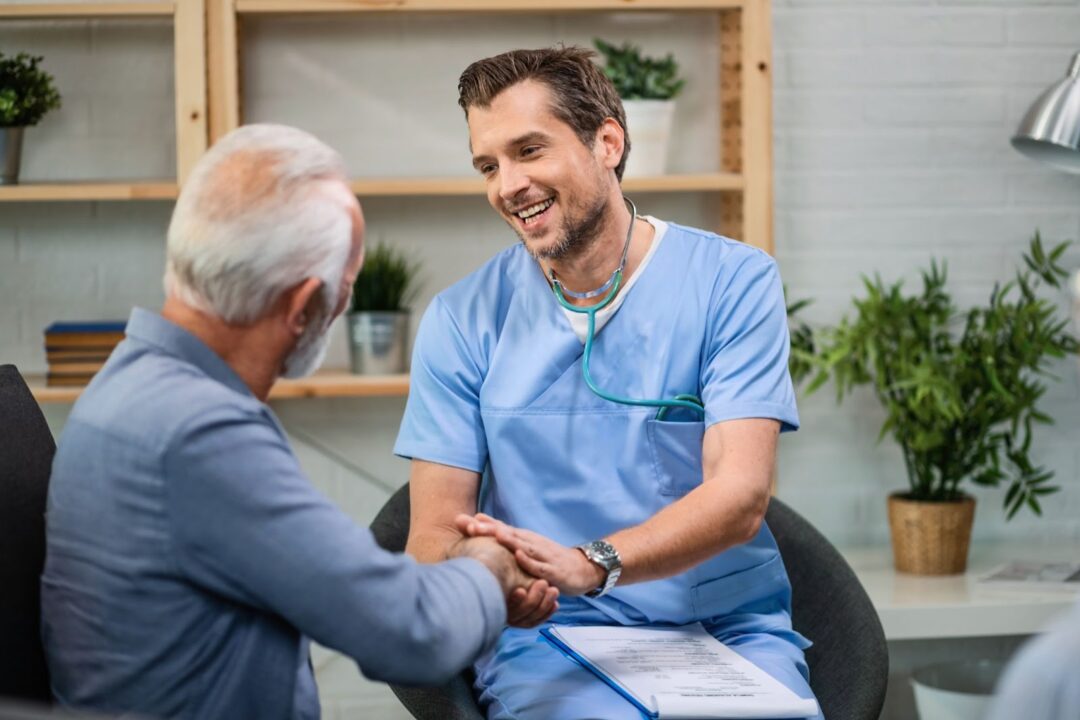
930, 538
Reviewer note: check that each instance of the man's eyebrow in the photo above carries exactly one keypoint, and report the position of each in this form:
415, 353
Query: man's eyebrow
529, 137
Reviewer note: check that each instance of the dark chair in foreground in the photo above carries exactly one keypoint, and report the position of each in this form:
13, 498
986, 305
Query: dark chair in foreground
26, 452
849, 663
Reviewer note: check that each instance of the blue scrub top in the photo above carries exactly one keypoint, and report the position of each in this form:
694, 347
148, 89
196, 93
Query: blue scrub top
497, 389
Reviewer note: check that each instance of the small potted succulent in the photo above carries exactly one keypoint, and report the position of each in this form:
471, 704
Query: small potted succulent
960, 392
379, 314
648, 87
27, 93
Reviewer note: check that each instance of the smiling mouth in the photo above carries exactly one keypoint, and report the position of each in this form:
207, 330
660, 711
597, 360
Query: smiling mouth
532, 213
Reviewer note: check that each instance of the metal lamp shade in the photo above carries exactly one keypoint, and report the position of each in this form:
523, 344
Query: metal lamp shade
1050, 132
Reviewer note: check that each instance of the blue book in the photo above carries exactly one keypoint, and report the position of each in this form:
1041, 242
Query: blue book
94, 326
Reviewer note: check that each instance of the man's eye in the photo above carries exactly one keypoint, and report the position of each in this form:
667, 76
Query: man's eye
487, 169
531, 150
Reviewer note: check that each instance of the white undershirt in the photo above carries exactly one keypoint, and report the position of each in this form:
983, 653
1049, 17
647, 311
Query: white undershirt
580, 321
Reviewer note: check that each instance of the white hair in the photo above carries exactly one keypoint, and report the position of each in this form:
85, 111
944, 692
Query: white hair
253, 221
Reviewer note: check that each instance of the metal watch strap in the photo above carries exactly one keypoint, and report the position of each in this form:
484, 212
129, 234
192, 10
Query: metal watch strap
604, 554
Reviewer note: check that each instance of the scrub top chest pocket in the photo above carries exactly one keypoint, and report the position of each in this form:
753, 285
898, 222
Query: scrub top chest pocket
675, 450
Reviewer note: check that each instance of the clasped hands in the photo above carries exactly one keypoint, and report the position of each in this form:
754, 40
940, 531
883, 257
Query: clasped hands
549, 568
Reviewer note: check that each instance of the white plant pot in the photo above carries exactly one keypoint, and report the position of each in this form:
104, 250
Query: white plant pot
649, 124
959, 690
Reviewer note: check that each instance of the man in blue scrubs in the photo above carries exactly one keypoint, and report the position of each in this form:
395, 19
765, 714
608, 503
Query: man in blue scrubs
189, 559
636, 519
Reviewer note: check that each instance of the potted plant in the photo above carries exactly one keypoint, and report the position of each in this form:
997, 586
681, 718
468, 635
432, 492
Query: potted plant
379, 315
960, 391
27, 93
648, 87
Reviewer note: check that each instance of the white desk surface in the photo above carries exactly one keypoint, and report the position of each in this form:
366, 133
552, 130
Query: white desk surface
919, 607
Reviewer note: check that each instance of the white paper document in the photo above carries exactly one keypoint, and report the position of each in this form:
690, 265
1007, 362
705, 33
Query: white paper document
1034, 576
679, 672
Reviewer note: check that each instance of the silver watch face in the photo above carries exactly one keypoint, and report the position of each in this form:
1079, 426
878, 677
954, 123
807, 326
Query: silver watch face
604, 554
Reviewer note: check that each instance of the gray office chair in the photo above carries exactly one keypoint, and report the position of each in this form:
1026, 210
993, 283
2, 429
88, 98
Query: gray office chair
849, 663
26, 452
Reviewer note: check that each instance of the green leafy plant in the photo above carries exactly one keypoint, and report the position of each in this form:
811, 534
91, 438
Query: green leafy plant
26, 91
960, 391
637, 77
388, 281
801, 359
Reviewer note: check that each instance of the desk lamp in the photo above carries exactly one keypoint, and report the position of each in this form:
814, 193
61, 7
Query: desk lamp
1050, 133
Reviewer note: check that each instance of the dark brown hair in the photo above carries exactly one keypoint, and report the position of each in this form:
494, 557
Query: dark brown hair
583, 96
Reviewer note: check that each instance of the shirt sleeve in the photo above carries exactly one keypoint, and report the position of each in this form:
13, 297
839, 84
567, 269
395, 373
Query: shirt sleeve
1040, 681
442, 421
746, 368
248, 525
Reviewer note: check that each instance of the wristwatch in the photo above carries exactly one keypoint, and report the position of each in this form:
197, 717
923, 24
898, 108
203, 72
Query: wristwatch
606, 556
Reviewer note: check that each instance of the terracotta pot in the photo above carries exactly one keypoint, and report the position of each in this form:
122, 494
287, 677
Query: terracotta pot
930, 538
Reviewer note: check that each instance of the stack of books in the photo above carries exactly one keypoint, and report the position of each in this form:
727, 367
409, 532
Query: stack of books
75, 351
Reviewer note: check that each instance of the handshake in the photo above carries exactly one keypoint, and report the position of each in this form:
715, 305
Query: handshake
532, 569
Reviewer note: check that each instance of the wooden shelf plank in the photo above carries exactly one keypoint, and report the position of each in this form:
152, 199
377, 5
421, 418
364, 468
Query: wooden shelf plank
341, 383
346, 6
375, 187
151, 190
45, 10
325, 384
704, 182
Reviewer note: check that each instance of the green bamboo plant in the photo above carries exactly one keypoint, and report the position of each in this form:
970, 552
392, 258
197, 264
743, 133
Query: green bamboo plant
388, 281
960, 391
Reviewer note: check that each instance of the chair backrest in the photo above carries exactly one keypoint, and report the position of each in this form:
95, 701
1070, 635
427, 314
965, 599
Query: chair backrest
26, 453
849, 662
453, 701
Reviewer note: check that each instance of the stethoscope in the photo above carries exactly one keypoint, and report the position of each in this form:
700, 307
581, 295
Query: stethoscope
690, 402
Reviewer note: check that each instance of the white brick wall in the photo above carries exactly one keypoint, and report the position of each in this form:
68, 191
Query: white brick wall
892, 127
892, 121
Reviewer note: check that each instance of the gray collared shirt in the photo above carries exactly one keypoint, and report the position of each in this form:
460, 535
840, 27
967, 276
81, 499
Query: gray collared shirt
189, 558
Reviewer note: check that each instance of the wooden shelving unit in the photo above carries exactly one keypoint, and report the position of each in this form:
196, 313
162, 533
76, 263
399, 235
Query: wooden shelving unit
208, 104
189, 63
744, 182
330, 383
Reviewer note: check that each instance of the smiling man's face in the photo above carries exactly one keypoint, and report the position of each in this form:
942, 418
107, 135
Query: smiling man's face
550, 188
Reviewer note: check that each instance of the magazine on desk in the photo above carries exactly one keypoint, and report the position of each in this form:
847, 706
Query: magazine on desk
1029, 575
678, 673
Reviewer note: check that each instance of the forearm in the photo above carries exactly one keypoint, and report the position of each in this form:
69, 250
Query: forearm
431, 543
437, 494
436, 625
710, 519
727, 509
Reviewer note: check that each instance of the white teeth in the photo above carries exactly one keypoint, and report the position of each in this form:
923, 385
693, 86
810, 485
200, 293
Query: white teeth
535, 209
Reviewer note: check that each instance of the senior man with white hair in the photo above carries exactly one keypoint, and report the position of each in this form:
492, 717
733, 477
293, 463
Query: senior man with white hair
188, 556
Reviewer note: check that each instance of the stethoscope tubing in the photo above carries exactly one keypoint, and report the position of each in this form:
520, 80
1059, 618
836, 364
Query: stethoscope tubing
687, 401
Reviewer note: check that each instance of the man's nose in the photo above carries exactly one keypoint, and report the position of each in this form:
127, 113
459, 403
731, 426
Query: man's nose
512, 181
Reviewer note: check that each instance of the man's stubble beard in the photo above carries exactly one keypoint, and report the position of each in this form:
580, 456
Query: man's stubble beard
574, 238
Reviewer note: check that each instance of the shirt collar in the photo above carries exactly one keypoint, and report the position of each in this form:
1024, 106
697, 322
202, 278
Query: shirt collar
151, 328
